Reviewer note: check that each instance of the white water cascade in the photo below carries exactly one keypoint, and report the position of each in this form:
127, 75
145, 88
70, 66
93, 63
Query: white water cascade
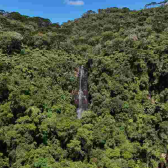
82, 106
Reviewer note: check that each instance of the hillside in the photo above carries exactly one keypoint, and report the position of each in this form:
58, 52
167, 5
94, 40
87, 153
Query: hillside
126, 55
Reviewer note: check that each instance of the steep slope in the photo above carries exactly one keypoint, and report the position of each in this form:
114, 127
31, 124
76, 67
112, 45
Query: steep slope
126, 124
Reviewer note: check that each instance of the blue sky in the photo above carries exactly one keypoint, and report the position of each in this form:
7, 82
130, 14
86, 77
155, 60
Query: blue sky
63, 10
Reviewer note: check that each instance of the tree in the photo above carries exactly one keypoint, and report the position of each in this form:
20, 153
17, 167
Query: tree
41, 21
88, 13
2, 12
18, 16
152, 3
40, 40
55, 25
10, 42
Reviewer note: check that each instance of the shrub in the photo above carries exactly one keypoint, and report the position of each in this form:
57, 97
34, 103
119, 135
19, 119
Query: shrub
33, 24
94, 40
67, 46
107, 27
108, 35
97, 49
40, 41
10, 41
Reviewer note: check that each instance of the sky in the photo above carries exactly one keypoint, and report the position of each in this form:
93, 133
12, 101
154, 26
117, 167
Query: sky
60, 11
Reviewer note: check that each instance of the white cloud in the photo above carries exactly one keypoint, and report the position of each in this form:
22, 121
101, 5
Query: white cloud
77, 3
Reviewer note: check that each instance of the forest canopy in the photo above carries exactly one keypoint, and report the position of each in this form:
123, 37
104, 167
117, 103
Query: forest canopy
126, 55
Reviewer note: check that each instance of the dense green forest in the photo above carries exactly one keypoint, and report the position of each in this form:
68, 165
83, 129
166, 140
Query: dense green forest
126, 55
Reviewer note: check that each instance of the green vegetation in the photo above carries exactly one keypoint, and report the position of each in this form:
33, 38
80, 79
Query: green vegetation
122, 128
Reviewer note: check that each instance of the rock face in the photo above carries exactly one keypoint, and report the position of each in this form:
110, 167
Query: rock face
82, 96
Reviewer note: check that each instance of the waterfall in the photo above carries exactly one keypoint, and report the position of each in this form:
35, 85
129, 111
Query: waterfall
82, 93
